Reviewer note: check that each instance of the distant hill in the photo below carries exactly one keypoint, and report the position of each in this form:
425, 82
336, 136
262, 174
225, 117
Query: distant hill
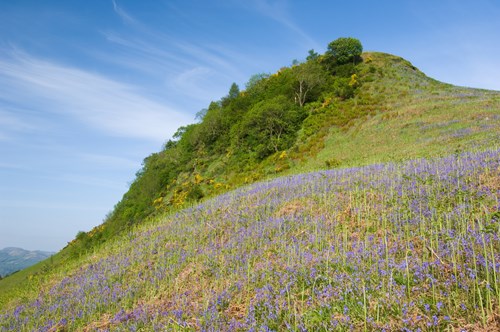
15, 259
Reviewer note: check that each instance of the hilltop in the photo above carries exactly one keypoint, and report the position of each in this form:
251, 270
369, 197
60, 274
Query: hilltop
369, 202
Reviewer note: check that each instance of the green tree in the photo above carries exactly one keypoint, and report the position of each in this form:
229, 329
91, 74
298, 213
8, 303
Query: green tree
234, 91
309, 76
270, 126
345, 50
255, 80
312, 55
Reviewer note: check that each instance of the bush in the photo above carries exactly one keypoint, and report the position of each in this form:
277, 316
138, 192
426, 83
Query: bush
345, 50
332, 163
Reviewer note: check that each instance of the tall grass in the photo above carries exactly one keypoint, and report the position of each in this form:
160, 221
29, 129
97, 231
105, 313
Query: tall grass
410, 246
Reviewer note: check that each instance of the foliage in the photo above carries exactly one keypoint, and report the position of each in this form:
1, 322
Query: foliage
345, 50
269, 126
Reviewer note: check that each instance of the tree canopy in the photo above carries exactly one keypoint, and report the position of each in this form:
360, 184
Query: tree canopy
345, 50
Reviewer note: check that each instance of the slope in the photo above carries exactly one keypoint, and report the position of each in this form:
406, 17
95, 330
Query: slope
421, 117
389, 246
382, 109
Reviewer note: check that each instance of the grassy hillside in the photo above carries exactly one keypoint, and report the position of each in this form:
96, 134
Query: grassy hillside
421, 117
381, 109
389, 246
384, 239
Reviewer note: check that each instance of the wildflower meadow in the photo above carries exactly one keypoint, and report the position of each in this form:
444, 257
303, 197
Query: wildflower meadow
412, 246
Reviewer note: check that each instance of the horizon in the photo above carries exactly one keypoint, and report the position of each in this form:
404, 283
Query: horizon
91, 89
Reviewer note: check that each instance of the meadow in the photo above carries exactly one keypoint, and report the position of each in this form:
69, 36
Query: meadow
412, 246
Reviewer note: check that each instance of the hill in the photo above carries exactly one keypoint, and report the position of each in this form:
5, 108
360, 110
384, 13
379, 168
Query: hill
236, 224
380, 109
15, 259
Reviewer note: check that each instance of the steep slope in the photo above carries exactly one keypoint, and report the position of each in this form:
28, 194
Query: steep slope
389, 246
382, 109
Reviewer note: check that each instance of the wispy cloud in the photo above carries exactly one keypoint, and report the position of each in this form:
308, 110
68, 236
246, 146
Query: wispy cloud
199, 71
277, 10
127, 18
100, 102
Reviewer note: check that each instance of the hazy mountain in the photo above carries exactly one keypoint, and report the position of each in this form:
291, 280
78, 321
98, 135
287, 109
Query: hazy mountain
15, 259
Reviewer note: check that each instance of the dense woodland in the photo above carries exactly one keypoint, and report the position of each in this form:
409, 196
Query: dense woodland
276, 121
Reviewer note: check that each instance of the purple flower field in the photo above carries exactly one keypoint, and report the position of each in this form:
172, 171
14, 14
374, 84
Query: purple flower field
411, 247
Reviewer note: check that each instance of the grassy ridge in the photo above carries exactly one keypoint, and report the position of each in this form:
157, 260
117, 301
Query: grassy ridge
417, 117
388, 246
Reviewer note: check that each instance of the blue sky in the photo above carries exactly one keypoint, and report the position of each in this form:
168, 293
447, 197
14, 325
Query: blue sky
88, 89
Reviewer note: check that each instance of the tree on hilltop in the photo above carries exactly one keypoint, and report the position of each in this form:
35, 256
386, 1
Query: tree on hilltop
345, 50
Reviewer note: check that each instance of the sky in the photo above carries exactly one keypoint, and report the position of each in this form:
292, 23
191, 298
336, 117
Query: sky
88, 89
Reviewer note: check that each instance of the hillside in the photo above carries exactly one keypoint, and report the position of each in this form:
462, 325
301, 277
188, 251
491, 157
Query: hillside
388, 246
369, 202
381, 109
15, 259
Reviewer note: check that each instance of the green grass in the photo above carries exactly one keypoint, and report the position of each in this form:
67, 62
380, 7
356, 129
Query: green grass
419, 117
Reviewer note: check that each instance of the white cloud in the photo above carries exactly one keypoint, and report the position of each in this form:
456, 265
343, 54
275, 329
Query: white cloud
196, 82
110, 106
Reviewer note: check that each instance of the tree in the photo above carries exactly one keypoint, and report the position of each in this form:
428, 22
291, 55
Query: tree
201, 114
270, 126
255, 79
312, 55
345, 50
310, 75
234, 91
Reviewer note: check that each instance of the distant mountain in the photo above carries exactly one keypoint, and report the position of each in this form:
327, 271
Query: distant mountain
15, 259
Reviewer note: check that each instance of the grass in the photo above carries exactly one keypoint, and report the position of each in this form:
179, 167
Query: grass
418, 117
388, 246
